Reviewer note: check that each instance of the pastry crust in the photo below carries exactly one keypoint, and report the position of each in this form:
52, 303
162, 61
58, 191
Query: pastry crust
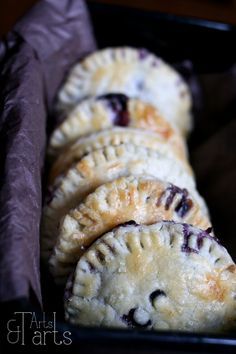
117, 136
134, 72
103, 112
104, 165
142, 199
162, 276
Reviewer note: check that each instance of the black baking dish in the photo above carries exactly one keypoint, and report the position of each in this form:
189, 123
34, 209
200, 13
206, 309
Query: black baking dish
208, 46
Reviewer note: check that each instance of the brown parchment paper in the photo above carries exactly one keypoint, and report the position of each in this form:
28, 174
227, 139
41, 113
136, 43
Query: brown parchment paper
52, 32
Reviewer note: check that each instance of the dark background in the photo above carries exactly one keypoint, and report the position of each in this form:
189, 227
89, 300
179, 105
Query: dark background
216, 10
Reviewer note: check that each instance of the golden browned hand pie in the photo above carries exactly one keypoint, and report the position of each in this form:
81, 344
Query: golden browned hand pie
143, 199
163, 276
117, 136
135, 73
103, 112
101, 166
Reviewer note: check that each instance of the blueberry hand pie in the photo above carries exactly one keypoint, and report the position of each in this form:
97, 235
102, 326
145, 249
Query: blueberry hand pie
117, 136
104, 112
163, 276
144, 200
133, 72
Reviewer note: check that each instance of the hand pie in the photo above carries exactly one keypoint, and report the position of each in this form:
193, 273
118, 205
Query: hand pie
117, 136
95, 114
162, 276
142, 199
135, 73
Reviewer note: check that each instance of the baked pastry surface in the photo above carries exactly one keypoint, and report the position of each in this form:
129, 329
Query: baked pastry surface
145, 200
162, 276
104, 165
117, 136
134, 72
104, 112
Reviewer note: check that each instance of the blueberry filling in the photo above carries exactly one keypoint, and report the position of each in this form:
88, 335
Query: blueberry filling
99, 254
200, 237
131, 322
127, 223
206, 234
117, 102
209, 230
156, 294
187, 233
173, 190
184, 205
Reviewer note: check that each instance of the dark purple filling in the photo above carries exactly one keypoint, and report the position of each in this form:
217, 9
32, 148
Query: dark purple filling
187, 233
184, 205
118, 103
200, 237
130, 321
127, 223
206, 234
209, 230
173, 191
156, 294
